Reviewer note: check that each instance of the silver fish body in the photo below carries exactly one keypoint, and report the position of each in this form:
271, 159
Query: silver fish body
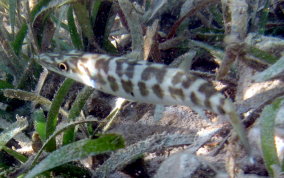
138, 81
142, 81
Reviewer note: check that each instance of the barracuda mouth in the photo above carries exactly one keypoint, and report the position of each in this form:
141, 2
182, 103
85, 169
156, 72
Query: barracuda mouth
44, 60
71, 70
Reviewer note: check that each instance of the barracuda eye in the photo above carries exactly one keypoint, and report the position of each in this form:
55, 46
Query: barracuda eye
62, 67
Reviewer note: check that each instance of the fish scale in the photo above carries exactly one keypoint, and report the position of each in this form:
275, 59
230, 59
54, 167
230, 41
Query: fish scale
142, 81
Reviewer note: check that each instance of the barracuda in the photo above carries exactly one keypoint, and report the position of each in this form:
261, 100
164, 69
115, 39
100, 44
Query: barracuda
142, 81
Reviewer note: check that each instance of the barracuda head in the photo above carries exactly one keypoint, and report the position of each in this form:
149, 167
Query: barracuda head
68, 65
